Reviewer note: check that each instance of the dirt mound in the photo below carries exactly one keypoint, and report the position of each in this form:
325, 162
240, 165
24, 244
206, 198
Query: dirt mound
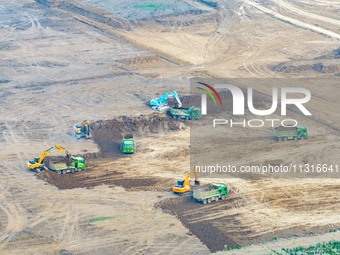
108, 133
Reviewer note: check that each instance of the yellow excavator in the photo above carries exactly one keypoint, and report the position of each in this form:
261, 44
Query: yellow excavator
74, 164
83, 130
183, 186
37, 164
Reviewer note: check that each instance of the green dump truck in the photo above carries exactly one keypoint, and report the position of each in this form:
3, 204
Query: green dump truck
192, 113
77, 164
213, 192
282, 133
128, 144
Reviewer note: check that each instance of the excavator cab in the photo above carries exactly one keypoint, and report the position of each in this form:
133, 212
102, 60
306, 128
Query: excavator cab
35, 160
180, 184
83, 130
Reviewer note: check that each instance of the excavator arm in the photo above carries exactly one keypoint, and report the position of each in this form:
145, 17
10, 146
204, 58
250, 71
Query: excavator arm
37, 163
62, 149
179, 102
186, 179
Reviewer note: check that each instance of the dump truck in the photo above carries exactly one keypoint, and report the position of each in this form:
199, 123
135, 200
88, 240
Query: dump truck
213, 192
284, 133
192, 113
77, 164
128, 144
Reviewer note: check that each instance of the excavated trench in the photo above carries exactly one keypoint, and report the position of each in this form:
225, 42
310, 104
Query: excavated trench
107, 134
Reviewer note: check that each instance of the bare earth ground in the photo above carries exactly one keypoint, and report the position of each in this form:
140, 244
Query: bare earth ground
63, 62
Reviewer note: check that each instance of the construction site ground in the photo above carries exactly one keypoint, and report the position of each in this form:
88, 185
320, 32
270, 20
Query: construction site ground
65, 61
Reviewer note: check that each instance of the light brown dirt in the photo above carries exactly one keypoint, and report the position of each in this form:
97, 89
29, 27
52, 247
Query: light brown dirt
60, 66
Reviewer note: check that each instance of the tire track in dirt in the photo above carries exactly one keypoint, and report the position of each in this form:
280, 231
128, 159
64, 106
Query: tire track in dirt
292, 8
70, 227
294, 22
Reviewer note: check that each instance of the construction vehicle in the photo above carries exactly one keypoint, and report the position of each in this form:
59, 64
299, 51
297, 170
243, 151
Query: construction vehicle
76, 164
128, 144
282, 133
192, 113
183, 186
73, 164
83, 130
213, 192
161, 103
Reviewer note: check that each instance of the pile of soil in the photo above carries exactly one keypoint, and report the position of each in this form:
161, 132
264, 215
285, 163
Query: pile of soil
109, 133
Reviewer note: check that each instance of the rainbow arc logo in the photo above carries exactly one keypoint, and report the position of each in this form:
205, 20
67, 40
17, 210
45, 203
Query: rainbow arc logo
212, 93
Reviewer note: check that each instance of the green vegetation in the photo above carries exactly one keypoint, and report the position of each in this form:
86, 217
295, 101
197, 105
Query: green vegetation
330, 248
105, 218
101, 218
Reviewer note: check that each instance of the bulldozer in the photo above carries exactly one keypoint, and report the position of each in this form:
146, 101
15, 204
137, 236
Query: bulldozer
73, 164
83, 130
183, 185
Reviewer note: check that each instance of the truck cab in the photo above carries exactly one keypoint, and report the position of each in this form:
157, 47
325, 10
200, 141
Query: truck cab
302, 133
78, 163
128, 144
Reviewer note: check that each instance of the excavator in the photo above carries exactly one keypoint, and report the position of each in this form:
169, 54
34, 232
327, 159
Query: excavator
183, 186
73, 164
83, 130
161, 103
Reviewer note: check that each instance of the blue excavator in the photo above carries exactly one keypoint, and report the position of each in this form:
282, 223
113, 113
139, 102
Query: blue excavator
161, 103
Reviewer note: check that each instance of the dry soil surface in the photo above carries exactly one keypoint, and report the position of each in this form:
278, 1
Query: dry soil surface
65, 61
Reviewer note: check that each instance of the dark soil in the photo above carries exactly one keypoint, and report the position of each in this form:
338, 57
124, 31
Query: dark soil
86, 180
219, 232
184, 208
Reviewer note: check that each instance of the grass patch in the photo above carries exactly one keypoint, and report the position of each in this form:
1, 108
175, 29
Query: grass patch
330, 248
105, 218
